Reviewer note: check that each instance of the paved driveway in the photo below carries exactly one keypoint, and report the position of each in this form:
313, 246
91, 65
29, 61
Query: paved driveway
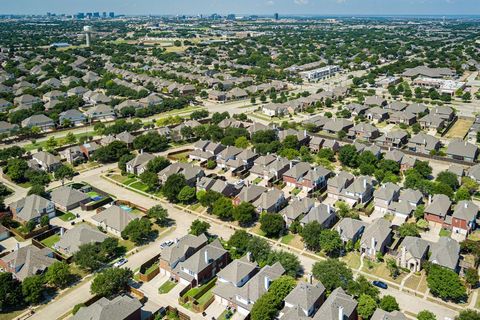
214, 310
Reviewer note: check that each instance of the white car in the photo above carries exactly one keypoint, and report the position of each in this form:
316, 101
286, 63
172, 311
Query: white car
120, 262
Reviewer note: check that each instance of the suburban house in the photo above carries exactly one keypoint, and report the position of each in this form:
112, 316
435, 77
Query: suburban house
376, 237
202, 265
402, 117
228, 156
181, 250
101, 112
462, 150
191, 172
270, 201
238, 272
89, 148
375, 101
122, 307
45, 161
337, 184
223, 187
32, 207
464, 217
444, 112
412, 253
249, 194
301, 175
423, 143
445, 253
316, 144
350, 229
138, 165
380, 314
411, 196
385, 195
301, 136
27, 261
359, 191
338, 305
377, 114
437, 209
67, 198
334, 126
265, 169
125, 137
363, 131
296, 209
40, 121
303, 301
114, 219
242, 298
393, 139
73, 117
205, 150
405, 161
71, 240
474, 172
432, 122
417, 109
396, 106
323, 214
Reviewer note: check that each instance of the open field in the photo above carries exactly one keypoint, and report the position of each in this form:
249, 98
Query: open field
459, 129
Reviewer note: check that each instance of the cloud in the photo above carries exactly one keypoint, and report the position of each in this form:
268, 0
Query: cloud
300, 2
270, 3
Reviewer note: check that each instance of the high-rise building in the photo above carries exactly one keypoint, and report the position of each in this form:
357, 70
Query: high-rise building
88, 31
111, 14
80, 15
104, 14
231, 17
276, 16
96, 14
89, 15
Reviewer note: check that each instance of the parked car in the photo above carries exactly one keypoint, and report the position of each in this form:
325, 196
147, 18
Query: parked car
120, 262
380, 284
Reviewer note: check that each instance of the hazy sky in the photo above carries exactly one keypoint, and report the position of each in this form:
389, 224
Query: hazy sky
319, 7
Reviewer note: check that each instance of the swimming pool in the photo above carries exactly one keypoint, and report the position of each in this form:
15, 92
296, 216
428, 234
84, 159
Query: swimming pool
125, 208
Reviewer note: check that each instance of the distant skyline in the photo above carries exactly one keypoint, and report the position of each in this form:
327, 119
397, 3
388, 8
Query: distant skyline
240, 7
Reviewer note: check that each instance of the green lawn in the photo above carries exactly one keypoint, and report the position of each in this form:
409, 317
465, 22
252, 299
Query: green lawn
444, 233
203, 299
139, 185
129, 245
129, 181
257, 180
50, 241
288, 238
224, 314
166, 287
151, 269
67, 216
296, 191
92, 194
192, 292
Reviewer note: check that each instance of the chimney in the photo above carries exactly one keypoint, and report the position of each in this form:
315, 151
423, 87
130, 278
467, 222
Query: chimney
328, 208
61, 231
429, 199
340, 313
17, 246
372, 246
207, 261
249, 257
365, 183
310, 278
305, 133
465, 204
266, 282
291, 164
404, 256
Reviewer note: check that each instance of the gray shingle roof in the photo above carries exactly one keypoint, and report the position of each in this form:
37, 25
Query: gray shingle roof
118, 308
67, 196
81, 234
29, 260
115, 218
336, 300
305, 295
446, 252
31, 207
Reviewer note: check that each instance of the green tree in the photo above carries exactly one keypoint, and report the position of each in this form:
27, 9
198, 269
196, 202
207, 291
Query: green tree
51, 143
311, 235
64, 172
173, 186
122, 162
187, 194
426, 315
388, 303
408, 229
366, 306
58, 274
333, 273
157, 164
33, 288
198, 227
159, 213
239, 241
16, 169
468, 315
448, 178
268, 305
44, 220
110, 282
37, 189
471, 277
150, 179
462, 194
330, 242
138, 230
259, 248
272, 224
445, 283
241, 142
348, 155
10, 291
223, 208
289, 262
244, 213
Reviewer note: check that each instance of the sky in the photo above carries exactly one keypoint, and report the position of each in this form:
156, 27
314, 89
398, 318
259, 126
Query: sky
239, 7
